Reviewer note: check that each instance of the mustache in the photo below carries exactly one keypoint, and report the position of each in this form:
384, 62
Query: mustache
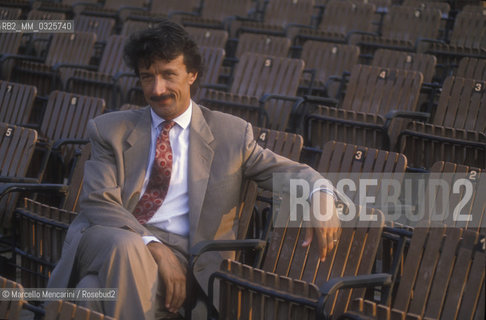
162, 97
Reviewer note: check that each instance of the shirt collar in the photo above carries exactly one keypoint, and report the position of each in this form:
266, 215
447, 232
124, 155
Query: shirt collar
183, 120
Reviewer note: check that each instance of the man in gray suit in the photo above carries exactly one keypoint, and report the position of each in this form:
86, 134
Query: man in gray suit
135, 237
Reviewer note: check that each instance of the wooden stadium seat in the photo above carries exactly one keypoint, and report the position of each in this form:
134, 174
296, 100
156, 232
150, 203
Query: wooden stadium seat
40, 230
174, 7
69, 7
366, 113
286, 144
402, 27
218, 13
64, 48
10, 309
256, 43
242, 288
443, 278
456, 131
262, 43
65, 310
425, 63
256, 75
475, 205
103, 27
103, 81
339, 20
117, 9
132, 26
465, 41
16, 150
208, 37
279, 16
326, 63
16, 100
349, 161
241, 303
11, 43
443, 7
7, 13
38, 44
64, 124
472, 68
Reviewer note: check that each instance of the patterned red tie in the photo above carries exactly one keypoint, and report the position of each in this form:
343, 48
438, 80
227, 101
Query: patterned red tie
159, 179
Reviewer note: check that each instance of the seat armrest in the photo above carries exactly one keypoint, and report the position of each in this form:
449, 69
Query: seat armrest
223, 245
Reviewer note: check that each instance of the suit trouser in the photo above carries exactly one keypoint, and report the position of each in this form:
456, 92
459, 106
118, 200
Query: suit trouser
116, 258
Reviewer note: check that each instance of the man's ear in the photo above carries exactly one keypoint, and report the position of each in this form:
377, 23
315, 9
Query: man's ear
192, 76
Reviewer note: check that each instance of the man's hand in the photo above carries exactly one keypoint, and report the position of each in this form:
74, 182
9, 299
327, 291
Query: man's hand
324, 224
171, 273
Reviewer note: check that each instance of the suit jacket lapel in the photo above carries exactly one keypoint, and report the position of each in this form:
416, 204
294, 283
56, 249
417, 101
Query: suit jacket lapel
135, 165
200, 159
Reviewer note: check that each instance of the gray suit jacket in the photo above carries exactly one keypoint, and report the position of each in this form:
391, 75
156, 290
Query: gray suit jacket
222, 153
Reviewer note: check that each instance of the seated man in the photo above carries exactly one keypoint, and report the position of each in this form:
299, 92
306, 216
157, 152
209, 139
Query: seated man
161, 179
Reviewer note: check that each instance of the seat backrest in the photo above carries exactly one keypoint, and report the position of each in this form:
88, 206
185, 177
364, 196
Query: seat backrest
379, 90
213, 60
10, 42
462, 104
16, 149
208, 37
119, 4
263, 44
42, 230
112, 58
443, 6
354, 253
65, 310
469, 204
425, 63
257, 74
71, 202
344, 16
17, 145
286, 144
67, 115
132, 26
16, 100
101, 26
10, 309
472, 68
329, 59
7, 13
442, 275
45, 15
469, 30
349, 161
168, 6
221, 9
240, 303
408, 23
75, 48
281, 13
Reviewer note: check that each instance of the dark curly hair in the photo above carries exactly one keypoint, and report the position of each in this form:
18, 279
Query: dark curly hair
166, 41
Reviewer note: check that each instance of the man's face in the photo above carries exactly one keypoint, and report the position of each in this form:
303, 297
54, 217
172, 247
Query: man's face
166, 86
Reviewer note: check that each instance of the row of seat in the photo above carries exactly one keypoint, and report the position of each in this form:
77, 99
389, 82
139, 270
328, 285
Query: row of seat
264, 93
41, 230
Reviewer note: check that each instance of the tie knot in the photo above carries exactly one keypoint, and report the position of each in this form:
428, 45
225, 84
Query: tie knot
167, 125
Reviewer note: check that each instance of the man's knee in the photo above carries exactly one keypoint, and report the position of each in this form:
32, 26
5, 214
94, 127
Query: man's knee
100, 244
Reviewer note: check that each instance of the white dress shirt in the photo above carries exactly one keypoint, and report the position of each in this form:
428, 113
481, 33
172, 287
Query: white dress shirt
173, 215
